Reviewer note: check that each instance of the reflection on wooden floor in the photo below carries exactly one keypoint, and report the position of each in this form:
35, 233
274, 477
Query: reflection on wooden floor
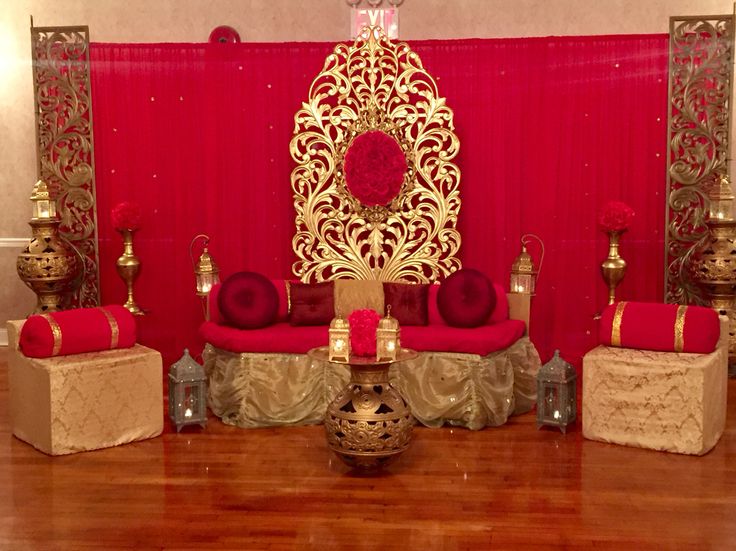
281, 488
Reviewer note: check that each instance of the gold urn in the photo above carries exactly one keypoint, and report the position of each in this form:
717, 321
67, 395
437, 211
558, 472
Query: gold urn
128, 266
49, 265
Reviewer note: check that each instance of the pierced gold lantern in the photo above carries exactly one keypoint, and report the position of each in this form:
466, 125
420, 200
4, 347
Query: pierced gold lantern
339, 347
388, 336
206, 272
49, 264
523, 272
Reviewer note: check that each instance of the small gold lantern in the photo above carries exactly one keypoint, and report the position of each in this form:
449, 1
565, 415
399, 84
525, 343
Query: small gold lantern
523, 272
187, 393
556, 394
721, 200
206, 272
388, 336
339, 349
43, 207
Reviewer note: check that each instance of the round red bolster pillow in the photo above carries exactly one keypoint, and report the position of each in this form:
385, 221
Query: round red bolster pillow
77, 331
662, 327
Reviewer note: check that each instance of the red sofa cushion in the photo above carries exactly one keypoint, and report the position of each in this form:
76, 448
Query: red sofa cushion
312, 303
279, 338
248, 300
477, 340
466, 298
408, 302
653, 326
286, 339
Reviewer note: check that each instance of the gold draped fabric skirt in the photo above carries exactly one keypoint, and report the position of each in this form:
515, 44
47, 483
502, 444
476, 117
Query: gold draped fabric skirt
262, 390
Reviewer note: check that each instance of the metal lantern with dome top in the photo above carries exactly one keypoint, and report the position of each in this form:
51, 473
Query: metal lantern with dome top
556, 394
187, 393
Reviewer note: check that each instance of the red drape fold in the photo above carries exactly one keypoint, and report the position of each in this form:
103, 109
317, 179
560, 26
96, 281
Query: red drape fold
550, 128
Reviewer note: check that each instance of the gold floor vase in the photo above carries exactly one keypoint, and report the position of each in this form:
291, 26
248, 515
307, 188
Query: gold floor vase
613, 268
129, 266
369, 424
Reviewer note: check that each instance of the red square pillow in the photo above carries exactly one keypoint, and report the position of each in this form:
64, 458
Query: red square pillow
466, 298
312, 303
248, 300
408, 302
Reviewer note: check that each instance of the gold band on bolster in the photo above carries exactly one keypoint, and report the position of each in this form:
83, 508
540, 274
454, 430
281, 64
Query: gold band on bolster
114, 329
56, 331
288, 298
680, 328
616, 326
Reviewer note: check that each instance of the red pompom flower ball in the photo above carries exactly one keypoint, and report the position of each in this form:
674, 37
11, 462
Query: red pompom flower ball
615, 216
375, 167
363, 325
126, 216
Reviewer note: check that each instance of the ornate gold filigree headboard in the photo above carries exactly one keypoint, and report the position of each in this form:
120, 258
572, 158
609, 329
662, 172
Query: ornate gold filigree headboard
375, 85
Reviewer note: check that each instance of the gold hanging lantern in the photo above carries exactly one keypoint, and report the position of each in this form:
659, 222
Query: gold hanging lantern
388, 336
206, 272
49, 264
339, 347
523, 271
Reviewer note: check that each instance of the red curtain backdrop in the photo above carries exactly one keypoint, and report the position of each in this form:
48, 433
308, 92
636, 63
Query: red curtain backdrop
550, 129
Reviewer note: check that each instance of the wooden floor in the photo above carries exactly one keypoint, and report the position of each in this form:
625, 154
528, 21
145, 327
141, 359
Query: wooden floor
229, 488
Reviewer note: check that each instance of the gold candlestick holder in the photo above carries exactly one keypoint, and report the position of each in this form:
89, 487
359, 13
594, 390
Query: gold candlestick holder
613, 268
129, 266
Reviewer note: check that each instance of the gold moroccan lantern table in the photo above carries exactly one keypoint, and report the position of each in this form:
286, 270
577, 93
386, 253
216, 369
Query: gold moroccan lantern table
368, 425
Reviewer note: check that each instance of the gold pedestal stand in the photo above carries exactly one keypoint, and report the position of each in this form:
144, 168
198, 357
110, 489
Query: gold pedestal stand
369, 424
128, 266
613, 268
715, 271
49, 265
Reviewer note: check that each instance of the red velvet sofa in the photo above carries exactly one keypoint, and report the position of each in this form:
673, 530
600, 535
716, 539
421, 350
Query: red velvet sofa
260, 377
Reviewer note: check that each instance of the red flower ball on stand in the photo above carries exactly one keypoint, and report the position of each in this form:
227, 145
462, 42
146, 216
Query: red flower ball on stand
363, 325
375, 166
615, 216
126, 216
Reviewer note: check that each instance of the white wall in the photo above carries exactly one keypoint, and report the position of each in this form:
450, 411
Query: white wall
259, 20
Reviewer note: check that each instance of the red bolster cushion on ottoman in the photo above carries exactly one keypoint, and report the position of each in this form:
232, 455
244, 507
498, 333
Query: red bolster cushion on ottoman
77, 331
662, 327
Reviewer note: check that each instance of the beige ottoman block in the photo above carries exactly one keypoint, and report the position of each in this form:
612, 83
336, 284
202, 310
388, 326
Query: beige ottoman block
83, 402
665, 401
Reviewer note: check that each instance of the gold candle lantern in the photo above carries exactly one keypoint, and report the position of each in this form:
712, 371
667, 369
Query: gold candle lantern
206, 271
523, 271
339, 335
388, 336
49, 264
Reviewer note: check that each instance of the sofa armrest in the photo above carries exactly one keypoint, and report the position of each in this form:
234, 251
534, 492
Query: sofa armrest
519, 307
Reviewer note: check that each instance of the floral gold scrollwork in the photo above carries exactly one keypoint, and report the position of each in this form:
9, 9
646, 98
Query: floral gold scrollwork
699, 92
375, 85
65, 142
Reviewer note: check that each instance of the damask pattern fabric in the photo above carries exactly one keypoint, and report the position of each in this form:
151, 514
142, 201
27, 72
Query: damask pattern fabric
665, 401
81, 402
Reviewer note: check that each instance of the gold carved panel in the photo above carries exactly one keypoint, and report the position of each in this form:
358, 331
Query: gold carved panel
700, 75
375, 84
63, 108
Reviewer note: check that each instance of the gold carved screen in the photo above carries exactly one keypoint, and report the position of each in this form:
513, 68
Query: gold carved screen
375, 86
65, 146
699, 113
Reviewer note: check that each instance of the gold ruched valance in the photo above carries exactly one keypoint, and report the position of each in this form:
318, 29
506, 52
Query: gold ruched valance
261, 390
